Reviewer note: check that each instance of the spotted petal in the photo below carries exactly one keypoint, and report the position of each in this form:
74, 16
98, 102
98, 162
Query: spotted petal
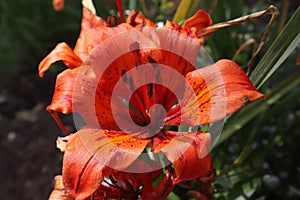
138, 20
195, 161
189, 153
213, 93
90, 152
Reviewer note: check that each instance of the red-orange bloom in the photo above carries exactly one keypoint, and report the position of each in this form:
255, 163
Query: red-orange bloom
94, 153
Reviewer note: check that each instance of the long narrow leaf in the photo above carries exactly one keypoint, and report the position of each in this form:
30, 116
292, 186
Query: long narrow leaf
132, 4
282, 47
193, 7
251, 111
182, 10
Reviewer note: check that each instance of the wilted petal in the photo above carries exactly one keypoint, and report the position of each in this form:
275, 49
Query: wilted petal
90, 151
61, 52
217, 91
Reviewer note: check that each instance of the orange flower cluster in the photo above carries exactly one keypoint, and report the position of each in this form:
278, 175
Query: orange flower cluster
91, 154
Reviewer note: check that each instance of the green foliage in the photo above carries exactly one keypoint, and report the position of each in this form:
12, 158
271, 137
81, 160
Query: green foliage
282, 47
185, 9
25, 36
266, 127
31, 28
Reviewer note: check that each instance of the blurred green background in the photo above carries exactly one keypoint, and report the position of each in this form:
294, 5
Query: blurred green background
258, 159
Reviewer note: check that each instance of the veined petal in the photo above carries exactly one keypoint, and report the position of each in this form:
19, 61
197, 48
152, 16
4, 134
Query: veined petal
163, 139
61, 52
135, 72
195, 161
90, 152
72, 89
82, 173
189, 154
94, 30
89, 21
62, 98
217, 91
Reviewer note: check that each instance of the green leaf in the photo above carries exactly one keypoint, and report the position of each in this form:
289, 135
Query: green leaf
132, 4
185, 7
173, 196
283, 46
193, 7
253, 109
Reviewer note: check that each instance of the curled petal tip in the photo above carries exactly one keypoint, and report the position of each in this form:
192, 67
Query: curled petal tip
62, 52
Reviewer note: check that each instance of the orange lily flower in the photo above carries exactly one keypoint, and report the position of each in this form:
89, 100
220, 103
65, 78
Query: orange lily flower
93, 154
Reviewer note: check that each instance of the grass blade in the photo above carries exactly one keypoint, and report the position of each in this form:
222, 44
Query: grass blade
252, 110
282, 47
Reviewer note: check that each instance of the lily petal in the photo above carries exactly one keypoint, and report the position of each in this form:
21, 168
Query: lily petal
70, 95
192, 26
195, 161
217, 91
82, 174
162, 190
61, 52
90, 152
62, 98
189, 153
89, 21
138, 20
94, 30
200, 20
137, 179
